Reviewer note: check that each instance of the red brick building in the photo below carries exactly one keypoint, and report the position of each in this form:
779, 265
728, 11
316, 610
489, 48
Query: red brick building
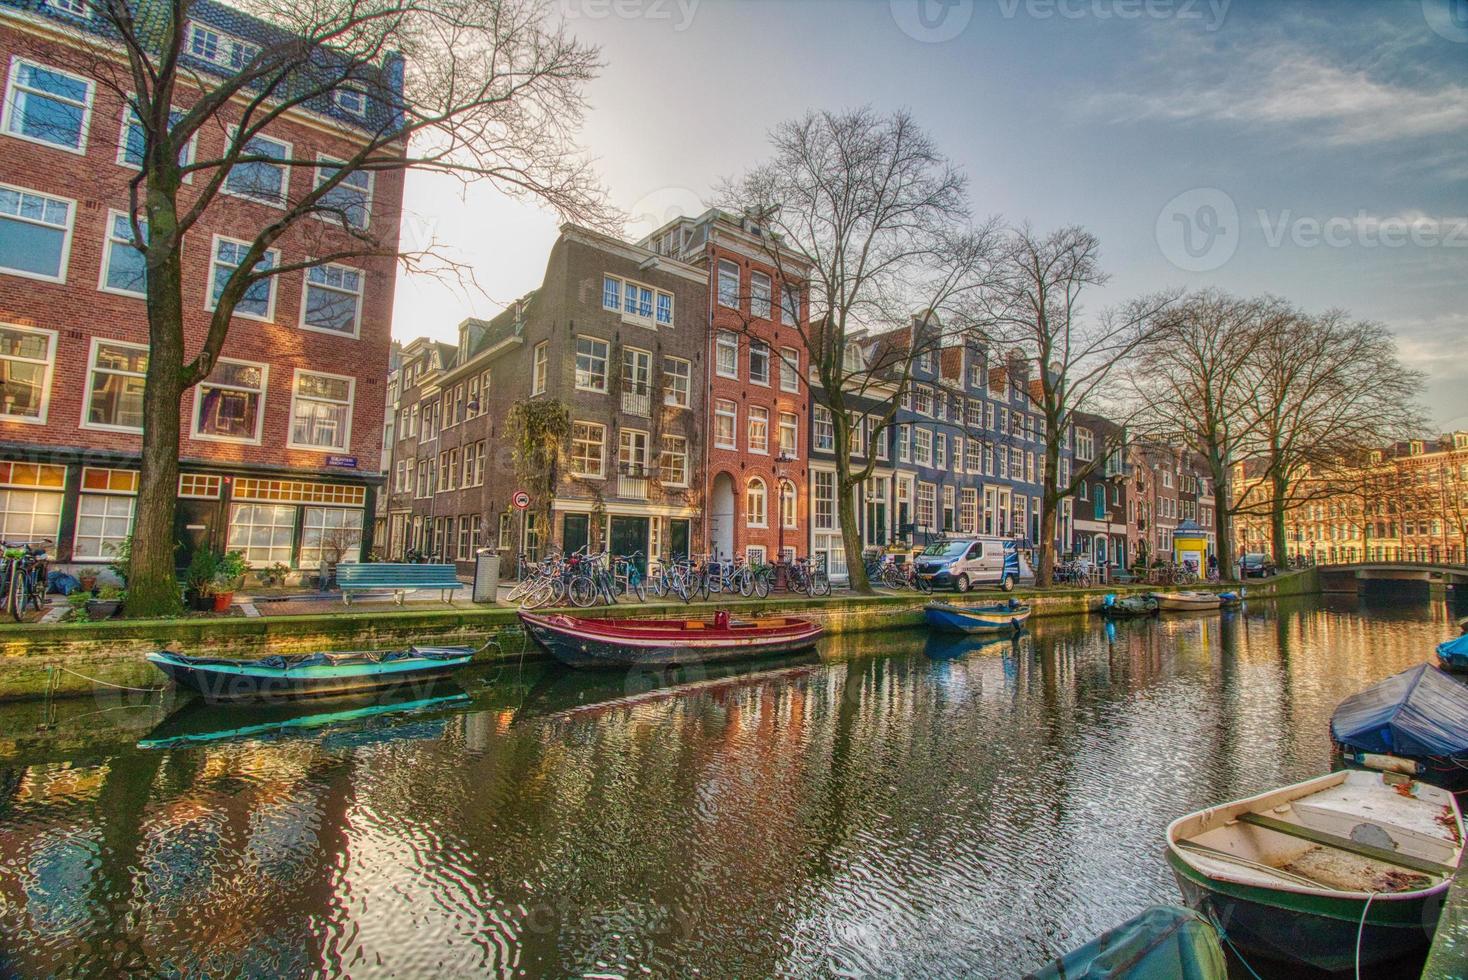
756, 457
282, 445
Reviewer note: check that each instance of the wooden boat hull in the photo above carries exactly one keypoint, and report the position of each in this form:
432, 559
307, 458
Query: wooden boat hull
1163, 943
246, 680
1318, 932
949, 618
1186, 601
1132, 605
1290, 875
611, 643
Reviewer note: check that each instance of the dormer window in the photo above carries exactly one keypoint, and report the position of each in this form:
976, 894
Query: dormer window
350, 99
220, 48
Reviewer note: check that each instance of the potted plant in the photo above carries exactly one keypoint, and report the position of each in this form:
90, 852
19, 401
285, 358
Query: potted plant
199, 579
108, 601
122, 553
229, 571
88, 578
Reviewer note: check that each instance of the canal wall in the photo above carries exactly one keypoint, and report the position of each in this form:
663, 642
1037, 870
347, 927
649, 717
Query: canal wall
75, 660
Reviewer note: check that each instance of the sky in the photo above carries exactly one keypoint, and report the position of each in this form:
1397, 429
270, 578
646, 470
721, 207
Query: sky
1314, 151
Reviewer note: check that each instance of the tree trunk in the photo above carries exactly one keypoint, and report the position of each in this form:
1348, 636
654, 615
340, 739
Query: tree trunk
1279, 540
152, 585
1046, 545
856, 568
1223, 530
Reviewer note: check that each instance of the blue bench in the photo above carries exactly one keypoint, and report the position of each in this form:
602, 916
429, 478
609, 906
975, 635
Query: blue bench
400, 578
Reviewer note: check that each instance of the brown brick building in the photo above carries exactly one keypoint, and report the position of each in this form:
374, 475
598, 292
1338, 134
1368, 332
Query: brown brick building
281, 449
758, 407
615, 333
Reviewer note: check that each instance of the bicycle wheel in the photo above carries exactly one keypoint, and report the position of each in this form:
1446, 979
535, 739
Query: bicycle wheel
582, 591
746, 583
15, 594
922, 584
762, 584
659, 586
639, 588
891, 578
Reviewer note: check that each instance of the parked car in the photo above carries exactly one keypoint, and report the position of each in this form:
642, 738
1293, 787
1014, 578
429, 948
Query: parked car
1256, 565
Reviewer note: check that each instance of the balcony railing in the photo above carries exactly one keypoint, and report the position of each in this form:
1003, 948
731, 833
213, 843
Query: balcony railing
631, 487
637, 403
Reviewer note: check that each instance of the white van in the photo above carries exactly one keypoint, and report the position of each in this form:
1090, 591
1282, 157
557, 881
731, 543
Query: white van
974, 561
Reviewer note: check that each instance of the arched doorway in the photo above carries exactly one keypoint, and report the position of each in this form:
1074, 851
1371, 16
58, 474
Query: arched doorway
721, 515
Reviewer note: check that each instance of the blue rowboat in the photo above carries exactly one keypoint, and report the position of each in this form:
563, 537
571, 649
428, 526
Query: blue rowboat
976, 619
1163, 943
312, 675
1414, 722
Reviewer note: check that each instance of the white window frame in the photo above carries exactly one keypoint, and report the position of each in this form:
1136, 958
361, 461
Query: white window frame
753, 378
128, 114
764, 516
733, 417
272, 281
794, 429
671, 390
96, 345
719, 344
66, 233
194, 432
285, 170
336, 99
12, 102
606, 363
682, 482
539, 368
351, 404
761, 305
790, 370
306, 285
317, 180
723, 266
108, 243
601, 472
49, 375
221, 36
749, 421
789, 521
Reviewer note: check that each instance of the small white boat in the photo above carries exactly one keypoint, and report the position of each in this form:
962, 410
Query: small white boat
1181, 601
1315, 871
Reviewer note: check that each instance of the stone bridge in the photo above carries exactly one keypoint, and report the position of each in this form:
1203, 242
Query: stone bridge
1441, 579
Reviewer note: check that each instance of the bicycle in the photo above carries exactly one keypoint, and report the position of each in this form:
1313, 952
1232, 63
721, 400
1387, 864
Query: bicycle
25, 576
629, 577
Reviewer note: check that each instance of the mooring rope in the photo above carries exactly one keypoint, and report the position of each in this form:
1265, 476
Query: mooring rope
95, 680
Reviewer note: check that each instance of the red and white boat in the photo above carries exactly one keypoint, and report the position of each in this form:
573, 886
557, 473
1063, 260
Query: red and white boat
580, 642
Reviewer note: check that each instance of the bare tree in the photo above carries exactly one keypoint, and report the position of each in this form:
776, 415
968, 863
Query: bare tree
1327, 388
1037, 308
1195, 389
1451, 482
865, 210
1360, 489
482, 89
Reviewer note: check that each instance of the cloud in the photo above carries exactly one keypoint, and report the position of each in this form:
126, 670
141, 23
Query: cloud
1285, 88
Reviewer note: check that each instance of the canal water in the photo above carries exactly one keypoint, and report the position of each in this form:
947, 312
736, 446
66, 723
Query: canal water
894, 806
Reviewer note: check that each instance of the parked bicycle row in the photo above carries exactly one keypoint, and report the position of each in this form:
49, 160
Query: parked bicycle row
584, 578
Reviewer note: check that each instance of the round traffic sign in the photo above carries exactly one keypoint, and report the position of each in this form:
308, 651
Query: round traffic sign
520, 499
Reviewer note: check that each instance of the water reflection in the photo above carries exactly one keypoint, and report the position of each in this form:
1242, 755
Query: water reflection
894, 806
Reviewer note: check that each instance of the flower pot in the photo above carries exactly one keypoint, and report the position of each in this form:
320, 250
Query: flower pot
102, 608
89, 582
222, 601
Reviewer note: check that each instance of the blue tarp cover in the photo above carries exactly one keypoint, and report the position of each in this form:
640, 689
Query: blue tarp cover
1454, 651
1418, 713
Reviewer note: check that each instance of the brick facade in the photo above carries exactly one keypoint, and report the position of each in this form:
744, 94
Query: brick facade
71, 317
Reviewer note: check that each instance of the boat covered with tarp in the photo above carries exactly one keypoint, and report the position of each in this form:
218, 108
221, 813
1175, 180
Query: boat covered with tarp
1344, 871
1163, 943
309, 675
1414, 722
1454, 654
1128, 605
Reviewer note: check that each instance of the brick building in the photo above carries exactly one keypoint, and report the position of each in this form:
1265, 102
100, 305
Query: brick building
615, 333
758, 403
281, 446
